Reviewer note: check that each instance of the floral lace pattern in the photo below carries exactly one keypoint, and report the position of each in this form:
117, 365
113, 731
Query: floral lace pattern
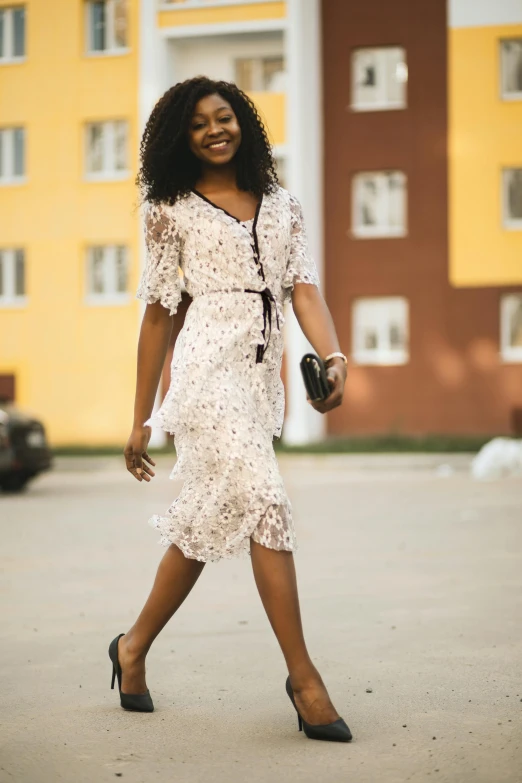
222, 406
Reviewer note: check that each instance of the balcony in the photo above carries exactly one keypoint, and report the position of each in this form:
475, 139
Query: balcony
185, 4
185, 18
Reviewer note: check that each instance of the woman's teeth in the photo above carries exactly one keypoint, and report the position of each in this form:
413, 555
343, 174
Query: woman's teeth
218, 145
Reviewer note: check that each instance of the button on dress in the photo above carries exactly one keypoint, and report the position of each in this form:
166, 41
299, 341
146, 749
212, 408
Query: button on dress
226, 401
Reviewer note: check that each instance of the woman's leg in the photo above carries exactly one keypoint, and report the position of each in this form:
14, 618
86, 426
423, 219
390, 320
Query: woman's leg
274, 572
175, 578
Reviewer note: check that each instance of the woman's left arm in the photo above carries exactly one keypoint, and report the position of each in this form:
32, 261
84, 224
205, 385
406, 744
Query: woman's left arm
318, 327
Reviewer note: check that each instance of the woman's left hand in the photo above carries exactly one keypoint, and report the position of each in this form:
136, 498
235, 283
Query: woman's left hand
336, 375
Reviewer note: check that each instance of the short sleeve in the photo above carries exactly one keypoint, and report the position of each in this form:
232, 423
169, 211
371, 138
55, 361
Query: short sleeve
160, 280
300, 267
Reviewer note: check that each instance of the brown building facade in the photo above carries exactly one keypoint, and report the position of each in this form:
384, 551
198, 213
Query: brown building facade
426, 355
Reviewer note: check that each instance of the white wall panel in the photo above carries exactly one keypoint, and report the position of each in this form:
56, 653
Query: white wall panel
214, 56
305, 177
484, 13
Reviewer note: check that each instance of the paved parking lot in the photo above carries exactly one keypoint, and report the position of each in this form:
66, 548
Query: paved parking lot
411, 588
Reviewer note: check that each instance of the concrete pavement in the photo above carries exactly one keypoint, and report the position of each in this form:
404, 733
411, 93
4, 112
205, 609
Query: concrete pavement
410, 579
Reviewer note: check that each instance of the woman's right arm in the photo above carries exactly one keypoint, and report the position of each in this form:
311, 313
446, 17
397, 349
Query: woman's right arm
160, 288
156, 329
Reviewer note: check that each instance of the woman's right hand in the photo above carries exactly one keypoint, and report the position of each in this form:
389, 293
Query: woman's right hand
136, 452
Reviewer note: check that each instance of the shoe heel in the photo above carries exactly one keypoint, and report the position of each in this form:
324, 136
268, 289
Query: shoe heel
138, 702
337, 731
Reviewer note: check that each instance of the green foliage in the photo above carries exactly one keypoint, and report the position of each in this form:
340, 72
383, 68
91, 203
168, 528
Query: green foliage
374, 444
387, 444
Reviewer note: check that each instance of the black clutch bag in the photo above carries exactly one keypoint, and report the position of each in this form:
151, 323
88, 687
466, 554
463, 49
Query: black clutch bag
314, 377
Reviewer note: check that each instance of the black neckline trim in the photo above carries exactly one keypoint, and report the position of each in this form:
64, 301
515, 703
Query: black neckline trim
222, 209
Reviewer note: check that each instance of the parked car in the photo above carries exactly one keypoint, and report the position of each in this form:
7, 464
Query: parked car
24, 451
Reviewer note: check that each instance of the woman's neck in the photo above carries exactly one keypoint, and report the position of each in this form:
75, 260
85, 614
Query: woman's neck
216, 179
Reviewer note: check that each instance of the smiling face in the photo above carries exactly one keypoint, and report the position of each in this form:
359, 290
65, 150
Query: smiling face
214, 134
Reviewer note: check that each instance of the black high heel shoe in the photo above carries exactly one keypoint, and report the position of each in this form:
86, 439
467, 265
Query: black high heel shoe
337, 731
138, 702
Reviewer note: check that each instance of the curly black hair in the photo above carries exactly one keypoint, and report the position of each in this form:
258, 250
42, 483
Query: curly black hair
168, 167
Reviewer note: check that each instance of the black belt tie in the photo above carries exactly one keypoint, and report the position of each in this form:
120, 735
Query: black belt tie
268, 298
266, 294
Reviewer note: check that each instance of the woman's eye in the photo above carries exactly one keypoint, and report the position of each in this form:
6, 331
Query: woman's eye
225, 119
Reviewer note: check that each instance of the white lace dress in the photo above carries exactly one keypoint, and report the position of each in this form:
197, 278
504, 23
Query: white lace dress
225, 402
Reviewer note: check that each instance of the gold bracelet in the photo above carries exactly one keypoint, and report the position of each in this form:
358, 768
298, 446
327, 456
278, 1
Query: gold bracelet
336, 354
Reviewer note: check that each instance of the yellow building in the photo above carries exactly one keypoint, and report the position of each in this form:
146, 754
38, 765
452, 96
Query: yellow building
78, 79
66, 334
485, 142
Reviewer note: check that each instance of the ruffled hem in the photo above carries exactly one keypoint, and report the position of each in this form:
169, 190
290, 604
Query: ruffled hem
293, 276
178, 404
165, 420
169, 299
220, 506
238, 545
158, 420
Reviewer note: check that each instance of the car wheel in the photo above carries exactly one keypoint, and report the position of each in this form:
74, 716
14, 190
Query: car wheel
13, 483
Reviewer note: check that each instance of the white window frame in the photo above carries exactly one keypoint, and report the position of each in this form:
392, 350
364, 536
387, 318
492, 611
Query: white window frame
110, 296
383, 355
505, 95
10, 299
383, 103
7, 152
361, 231
258, 61
9, 58
280, 154
513, 224
109, 173
509, 353
112, 50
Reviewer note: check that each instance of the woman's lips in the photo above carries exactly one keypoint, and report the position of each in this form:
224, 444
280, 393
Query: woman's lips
218, 145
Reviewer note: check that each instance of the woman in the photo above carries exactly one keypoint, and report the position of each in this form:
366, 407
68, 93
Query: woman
215, 209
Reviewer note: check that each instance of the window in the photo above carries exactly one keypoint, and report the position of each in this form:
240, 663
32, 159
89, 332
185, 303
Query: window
379, 79
280, 156
261, 74
107, 275
512, 198
107, 26
281, 169
380, 331
106, 150
379, 204
12, 34
511, 69
12, 155
511, 327
12, 277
